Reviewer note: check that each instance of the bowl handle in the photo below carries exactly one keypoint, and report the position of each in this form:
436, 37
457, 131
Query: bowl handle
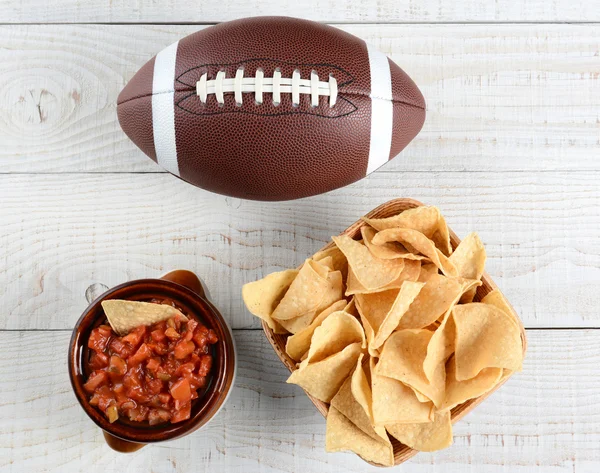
120, 445
186, 278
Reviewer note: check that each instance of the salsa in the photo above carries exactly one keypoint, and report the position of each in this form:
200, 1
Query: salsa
153, 373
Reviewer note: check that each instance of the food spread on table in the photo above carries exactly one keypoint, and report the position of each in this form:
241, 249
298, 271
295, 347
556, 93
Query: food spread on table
389, 331
149, 364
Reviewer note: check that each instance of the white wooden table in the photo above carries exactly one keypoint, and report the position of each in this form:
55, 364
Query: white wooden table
510, 148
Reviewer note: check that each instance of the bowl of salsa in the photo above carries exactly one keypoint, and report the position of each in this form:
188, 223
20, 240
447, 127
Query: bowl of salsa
151, 360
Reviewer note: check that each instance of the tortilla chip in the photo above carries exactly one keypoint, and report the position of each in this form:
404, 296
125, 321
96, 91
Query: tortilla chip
351, 308
425, 437
124, 316
427, 220
427, 271
397, 311
441, 238
360, 386
262, 297
505, 374
422, 398
304, 294
324, 378
402, 358
458, 392
297, 345
336, 332
486, 337
338, 259
343, 435
469, 260
421, 243
424, 219
394, 402
391, 250
369, 334
410, 272
442, 343
497, 299
374, 307
326, 263
346, 404
436, 297
332, 293
370, 271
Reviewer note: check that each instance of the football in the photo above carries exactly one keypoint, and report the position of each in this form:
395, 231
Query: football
271, 108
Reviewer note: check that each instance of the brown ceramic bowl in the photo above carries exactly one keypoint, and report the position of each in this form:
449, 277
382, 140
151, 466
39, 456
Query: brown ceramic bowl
185, 289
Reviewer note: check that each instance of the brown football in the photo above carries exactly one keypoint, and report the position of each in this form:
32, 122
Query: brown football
271, 108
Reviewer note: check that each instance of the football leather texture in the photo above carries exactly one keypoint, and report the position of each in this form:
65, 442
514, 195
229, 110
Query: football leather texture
271, 108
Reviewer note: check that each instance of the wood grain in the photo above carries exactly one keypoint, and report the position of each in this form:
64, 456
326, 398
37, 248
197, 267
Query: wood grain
547, 417
64, 233
500, 97
177, 11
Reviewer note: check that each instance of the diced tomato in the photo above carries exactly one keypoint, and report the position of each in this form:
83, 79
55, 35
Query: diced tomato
143, 353
106, 398
172, 333
117, 366
164, 398
159, 348
185, 370
127, 405
138, 395
96, 379
205, 365
132, 378
212, 337
154, 386
158, 416
134, 337
158, 335
138, 414
180, 390
192, 324
183, 349
153, 364
197, 381
98, 360
183, 413
98, 340
120, 348
200, 336
190, 327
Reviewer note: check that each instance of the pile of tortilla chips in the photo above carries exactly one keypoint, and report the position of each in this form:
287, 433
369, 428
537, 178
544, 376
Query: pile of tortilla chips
385, 330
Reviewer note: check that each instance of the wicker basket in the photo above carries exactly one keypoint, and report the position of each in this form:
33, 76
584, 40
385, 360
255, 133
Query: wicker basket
394, 207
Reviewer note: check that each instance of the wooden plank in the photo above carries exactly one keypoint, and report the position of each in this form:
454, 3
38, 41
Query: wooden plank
63, 233
177, 11
547, 417
500, 97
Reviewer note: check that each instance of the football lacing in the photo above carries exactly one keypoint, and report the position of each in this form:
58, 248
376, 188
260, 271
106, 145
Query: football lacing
260, 84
